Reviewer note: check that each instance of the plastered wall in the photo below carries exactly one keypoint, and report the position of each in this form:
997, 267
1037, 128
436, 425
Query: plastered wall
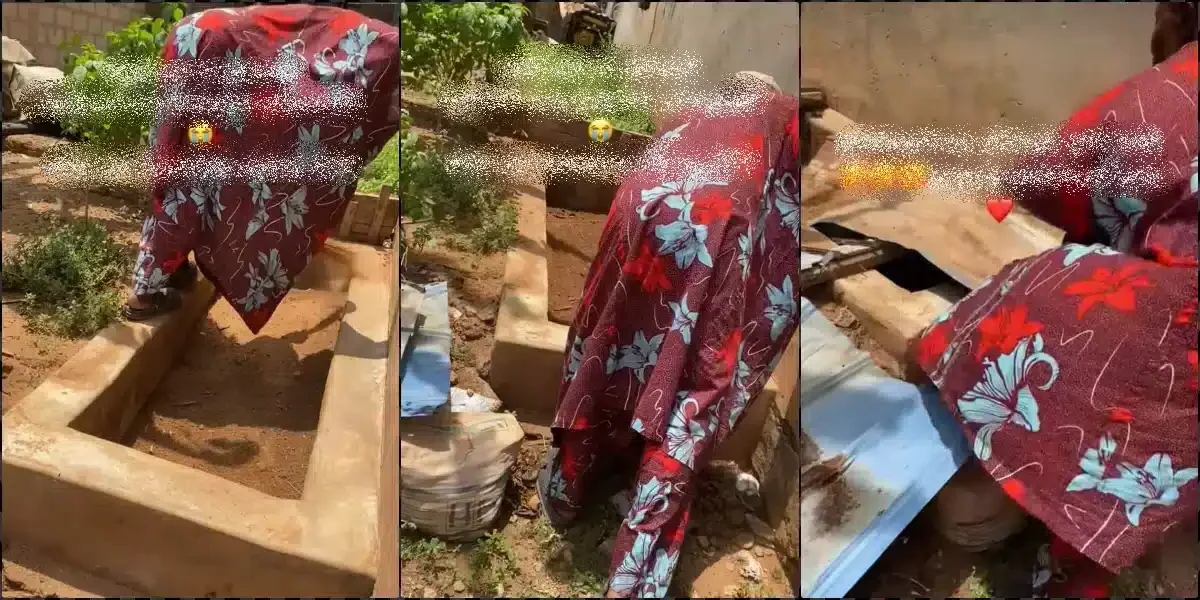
971, 63
727, 36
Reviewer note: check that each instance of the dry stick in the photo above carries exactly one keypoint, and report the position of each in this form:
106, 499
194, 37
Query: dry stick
821, 473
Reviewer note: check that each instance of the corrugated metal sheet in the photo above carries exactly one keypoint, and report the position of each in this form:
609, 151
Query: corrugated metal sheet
903, 443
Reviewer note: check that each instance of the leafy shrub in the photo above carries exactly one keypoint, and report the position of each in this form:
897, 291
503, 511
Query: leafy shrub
454, 201
384, 170
443, 42
110, 93
69, 278
584, 84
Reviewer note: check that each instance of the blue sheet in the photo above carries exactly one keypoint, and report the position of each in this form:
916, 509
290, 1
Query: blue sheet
899, 436
426, 383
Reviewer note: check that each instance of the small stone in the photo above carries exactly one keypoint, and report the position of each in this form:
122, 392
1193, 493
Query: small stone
705, 544
535, 503
730, 591
735, 516
459, 586
564, 554
745, 541
455, 314
751, 568
429, 593
759, 551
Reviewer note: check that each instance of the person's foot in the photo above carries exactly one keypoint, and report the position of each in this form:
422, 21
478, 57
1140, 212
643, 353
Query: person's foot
556, 518
148, 306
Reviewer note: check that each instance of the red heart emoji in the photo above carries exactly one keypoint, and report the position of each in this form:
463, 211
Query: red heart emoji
999, 207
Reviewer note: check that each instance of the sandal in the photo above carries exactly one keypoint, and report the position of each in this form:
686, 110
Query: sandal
184, 277
156, 304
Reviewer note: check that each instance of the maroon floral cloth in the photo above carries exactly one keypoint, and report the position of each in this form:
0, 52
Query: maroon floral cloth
687, 307
299, 98
1074, 371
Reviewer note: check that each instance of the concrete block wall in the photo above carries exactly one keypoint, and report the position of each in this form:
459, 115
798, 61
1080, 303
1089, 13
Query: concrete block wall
41, 28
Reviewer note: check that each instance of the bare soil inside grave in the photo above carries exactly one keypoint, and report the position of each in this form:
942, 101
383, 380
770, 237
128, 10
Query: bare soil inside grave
575, 562
30, 205
242, 406
573, 237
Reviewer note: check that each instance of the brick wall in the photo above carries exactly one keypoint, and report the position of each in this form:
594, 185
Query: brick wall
41, 28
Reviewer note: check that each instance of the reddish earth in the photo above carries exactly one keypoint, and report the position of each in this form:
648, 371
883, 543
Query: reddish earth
572, 237
30, 205
242, 406
474, 282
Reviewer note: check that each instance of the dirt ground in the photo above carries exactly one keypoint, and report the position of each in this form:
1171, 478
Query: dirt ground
474, 283
244, 406
524, 555
30, 204
573, 237
527, 558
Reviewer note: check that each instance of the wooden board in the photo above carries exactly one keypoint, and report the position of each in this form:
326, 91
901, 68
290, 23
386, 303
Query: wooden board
956, 234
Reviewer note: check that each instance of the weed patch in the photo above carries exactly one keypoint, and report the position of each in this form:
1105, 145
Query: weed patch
69, 277
383, 170
493, 563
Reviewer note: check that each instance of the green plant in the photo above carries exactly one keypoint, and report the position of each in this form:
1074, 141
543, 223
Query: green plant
579, 84
493, 562
69, 278
444, 42
109, 92
413, 548
384, 169
454, 201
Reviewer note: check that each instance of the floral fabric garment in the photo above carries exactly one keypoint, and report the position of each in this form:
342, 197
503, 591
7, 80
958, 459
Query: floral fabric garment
687, 307
299, 98
1074, 371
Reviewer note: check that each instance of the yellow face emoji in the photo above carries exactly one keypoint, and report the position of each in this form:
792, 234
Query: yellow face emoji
600, 130
200, 132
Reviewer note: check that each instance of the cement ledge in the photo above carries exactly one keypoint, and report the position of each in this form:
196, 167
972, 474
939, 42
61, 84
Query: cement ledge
120, 514
341, 489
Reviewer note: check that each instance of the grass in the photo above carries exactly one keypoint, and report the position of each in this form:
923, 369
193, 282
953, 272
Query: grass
493, 564
384, 170
69, 277
592, 86
976, 585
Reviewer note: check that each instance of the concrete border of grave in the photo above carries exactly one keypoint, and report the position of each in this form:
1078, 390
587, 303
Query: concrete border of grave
170, 530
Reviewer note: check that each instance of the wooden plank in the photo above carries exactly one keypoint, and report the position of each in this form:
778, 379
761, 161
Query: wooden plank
348, 219
385, 194
954, 233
